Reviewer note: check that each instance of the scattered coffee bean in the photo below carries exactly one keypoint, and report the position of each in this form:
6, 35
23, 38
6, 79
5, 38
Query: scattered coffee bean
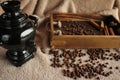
107, 50
111, 58
116, 68
110, 72
51, 59
107, 58
110, 67
106, 63
97, 62
93, 63
98, 78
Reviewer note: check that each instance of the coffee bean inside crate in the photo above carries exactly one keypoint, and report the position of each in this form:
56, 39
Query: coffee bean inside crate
108, 24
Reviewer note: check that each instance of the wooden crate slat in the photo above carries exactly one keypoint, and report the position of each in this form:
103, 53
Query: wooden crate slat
77, 16
86, 42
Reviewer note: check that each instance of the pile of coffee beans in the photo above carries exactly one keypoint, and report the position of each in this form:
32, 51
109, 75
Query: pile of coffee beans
78, 28
87, 63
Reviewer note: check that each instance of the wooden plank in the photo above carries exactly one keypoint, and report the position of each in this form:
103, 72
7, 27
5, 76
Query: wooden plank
96, 25
106, 30
86, 41
51, 26
73, 19
75, 16
111, 31
94, 16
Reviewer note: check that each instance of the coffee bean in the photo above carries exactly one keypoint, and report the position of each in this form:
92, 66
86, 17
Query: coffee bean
97, 62
53, 65
111, 54
116, 67
98, 78
86, 61
105, 54
75, 77
86, 76
93, 63
111, 58
107, 58
110, 67
106, 63
110, 72
107, 50
51, 59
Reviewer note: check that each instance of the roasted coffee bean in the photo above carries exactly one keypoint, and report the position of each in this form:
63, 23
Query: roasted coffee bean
107, 74
116, 67
53, 65
107, 50
86, 61
111, 54
75, 77
64, 72
105, 54
110, 72
93, 63
106, 63
107, 58
97, 62
97, 78
110, 67
111, 58
86, 76
60, 55
80, 62
51, 59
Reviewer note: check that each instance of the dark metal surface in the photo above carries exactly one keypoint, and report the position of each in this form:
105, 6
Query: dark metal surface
17, 31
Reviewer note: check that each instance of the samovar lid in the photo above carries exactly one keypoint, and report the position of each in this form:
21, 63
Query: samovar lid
13, 16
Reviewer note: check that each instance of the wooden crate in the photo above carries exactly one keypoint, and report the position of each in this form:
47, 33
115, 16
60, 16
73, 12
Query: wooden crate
85, 41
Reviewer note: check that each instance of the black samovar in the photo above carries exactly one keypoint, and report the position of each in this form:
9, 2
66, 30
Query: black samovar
17, 31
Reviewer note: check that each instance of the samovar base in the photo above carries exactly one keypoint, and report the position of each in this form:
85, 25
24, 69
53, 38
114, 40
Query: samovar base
19, 57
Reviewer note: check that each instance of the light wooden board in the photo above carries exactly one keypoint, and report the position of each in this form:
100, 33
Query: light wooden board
85, 41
